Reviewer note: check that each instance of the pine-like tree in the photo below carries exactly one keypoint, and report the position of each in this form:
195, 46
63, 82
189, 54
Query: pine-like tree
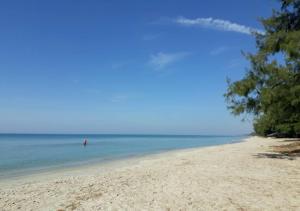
270, 88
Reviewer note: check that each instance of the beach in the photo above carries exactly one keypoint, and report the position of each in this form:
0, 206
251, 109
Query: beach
240, 176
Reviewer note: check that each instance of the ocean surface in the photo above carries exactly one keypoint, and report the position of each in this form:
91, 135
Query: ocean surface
23, 154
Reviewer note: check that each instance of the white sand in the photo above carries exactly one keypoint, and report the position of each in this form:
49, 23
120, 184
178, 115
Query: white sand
227, 177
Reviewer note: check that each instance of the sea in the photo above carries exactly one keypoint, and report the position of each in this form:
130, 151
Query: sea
25, 154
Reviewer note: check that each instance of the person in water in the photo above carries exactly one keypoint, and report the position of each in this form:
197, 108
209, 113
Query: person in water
85, 142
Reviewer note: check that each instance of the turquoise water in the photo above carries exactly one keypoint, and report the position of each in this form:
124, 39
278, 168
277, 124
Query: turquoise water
25, 154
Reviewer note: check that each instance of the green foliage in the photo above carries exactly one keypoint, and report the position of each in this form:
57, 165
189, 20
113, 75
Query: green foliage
270, 89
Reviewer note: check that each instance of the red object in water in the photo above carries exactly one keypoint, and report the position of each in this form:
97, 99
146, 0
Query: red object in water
85, 142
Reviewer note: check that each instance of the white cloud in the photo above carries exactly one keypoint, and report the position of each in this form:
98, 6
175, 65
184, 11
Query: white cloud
217, 24
161, 60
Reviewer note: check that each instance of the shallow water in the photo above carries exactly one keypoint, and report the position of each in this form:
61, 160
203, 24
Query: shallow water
25, 153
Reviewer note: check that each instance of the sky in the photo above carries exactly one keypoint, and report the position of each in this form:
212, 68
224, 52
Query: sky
135, 66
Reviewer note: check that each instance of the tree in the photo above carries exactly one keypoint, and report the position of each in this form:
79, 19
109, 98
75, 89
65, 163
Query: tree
270, 89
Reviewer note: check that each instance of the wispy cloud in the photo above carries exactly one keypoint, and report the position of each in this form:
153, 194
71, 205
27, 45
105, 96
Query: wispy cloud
219, 24
162, 60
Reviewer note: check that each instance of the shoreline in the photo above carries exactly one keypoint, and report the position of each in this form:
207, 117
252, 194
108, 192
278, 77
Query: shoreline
229, 176
98, 163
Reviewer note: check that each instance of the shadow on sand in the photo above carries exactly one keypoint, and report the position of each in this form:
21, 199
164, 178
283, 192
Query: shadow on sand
285, 151
277, 156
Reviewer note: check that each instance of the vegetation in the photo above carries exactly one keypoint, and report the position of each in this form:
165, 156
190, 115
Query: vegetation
270, 89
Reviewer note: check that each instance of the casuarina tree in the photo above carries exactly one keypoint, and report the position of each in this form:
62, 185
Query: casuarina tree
270, 89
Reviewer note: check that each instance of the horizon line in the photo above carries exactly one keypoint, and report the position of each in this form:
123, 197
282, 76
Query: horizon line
128, 134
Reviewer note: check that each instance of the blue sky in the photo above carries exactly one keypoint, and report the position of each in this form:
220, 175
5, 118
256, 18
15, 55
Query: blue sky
123, 66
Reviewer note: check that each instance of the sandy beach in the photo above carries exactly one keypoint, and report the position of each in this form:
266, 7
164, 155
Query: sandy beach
240, 176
